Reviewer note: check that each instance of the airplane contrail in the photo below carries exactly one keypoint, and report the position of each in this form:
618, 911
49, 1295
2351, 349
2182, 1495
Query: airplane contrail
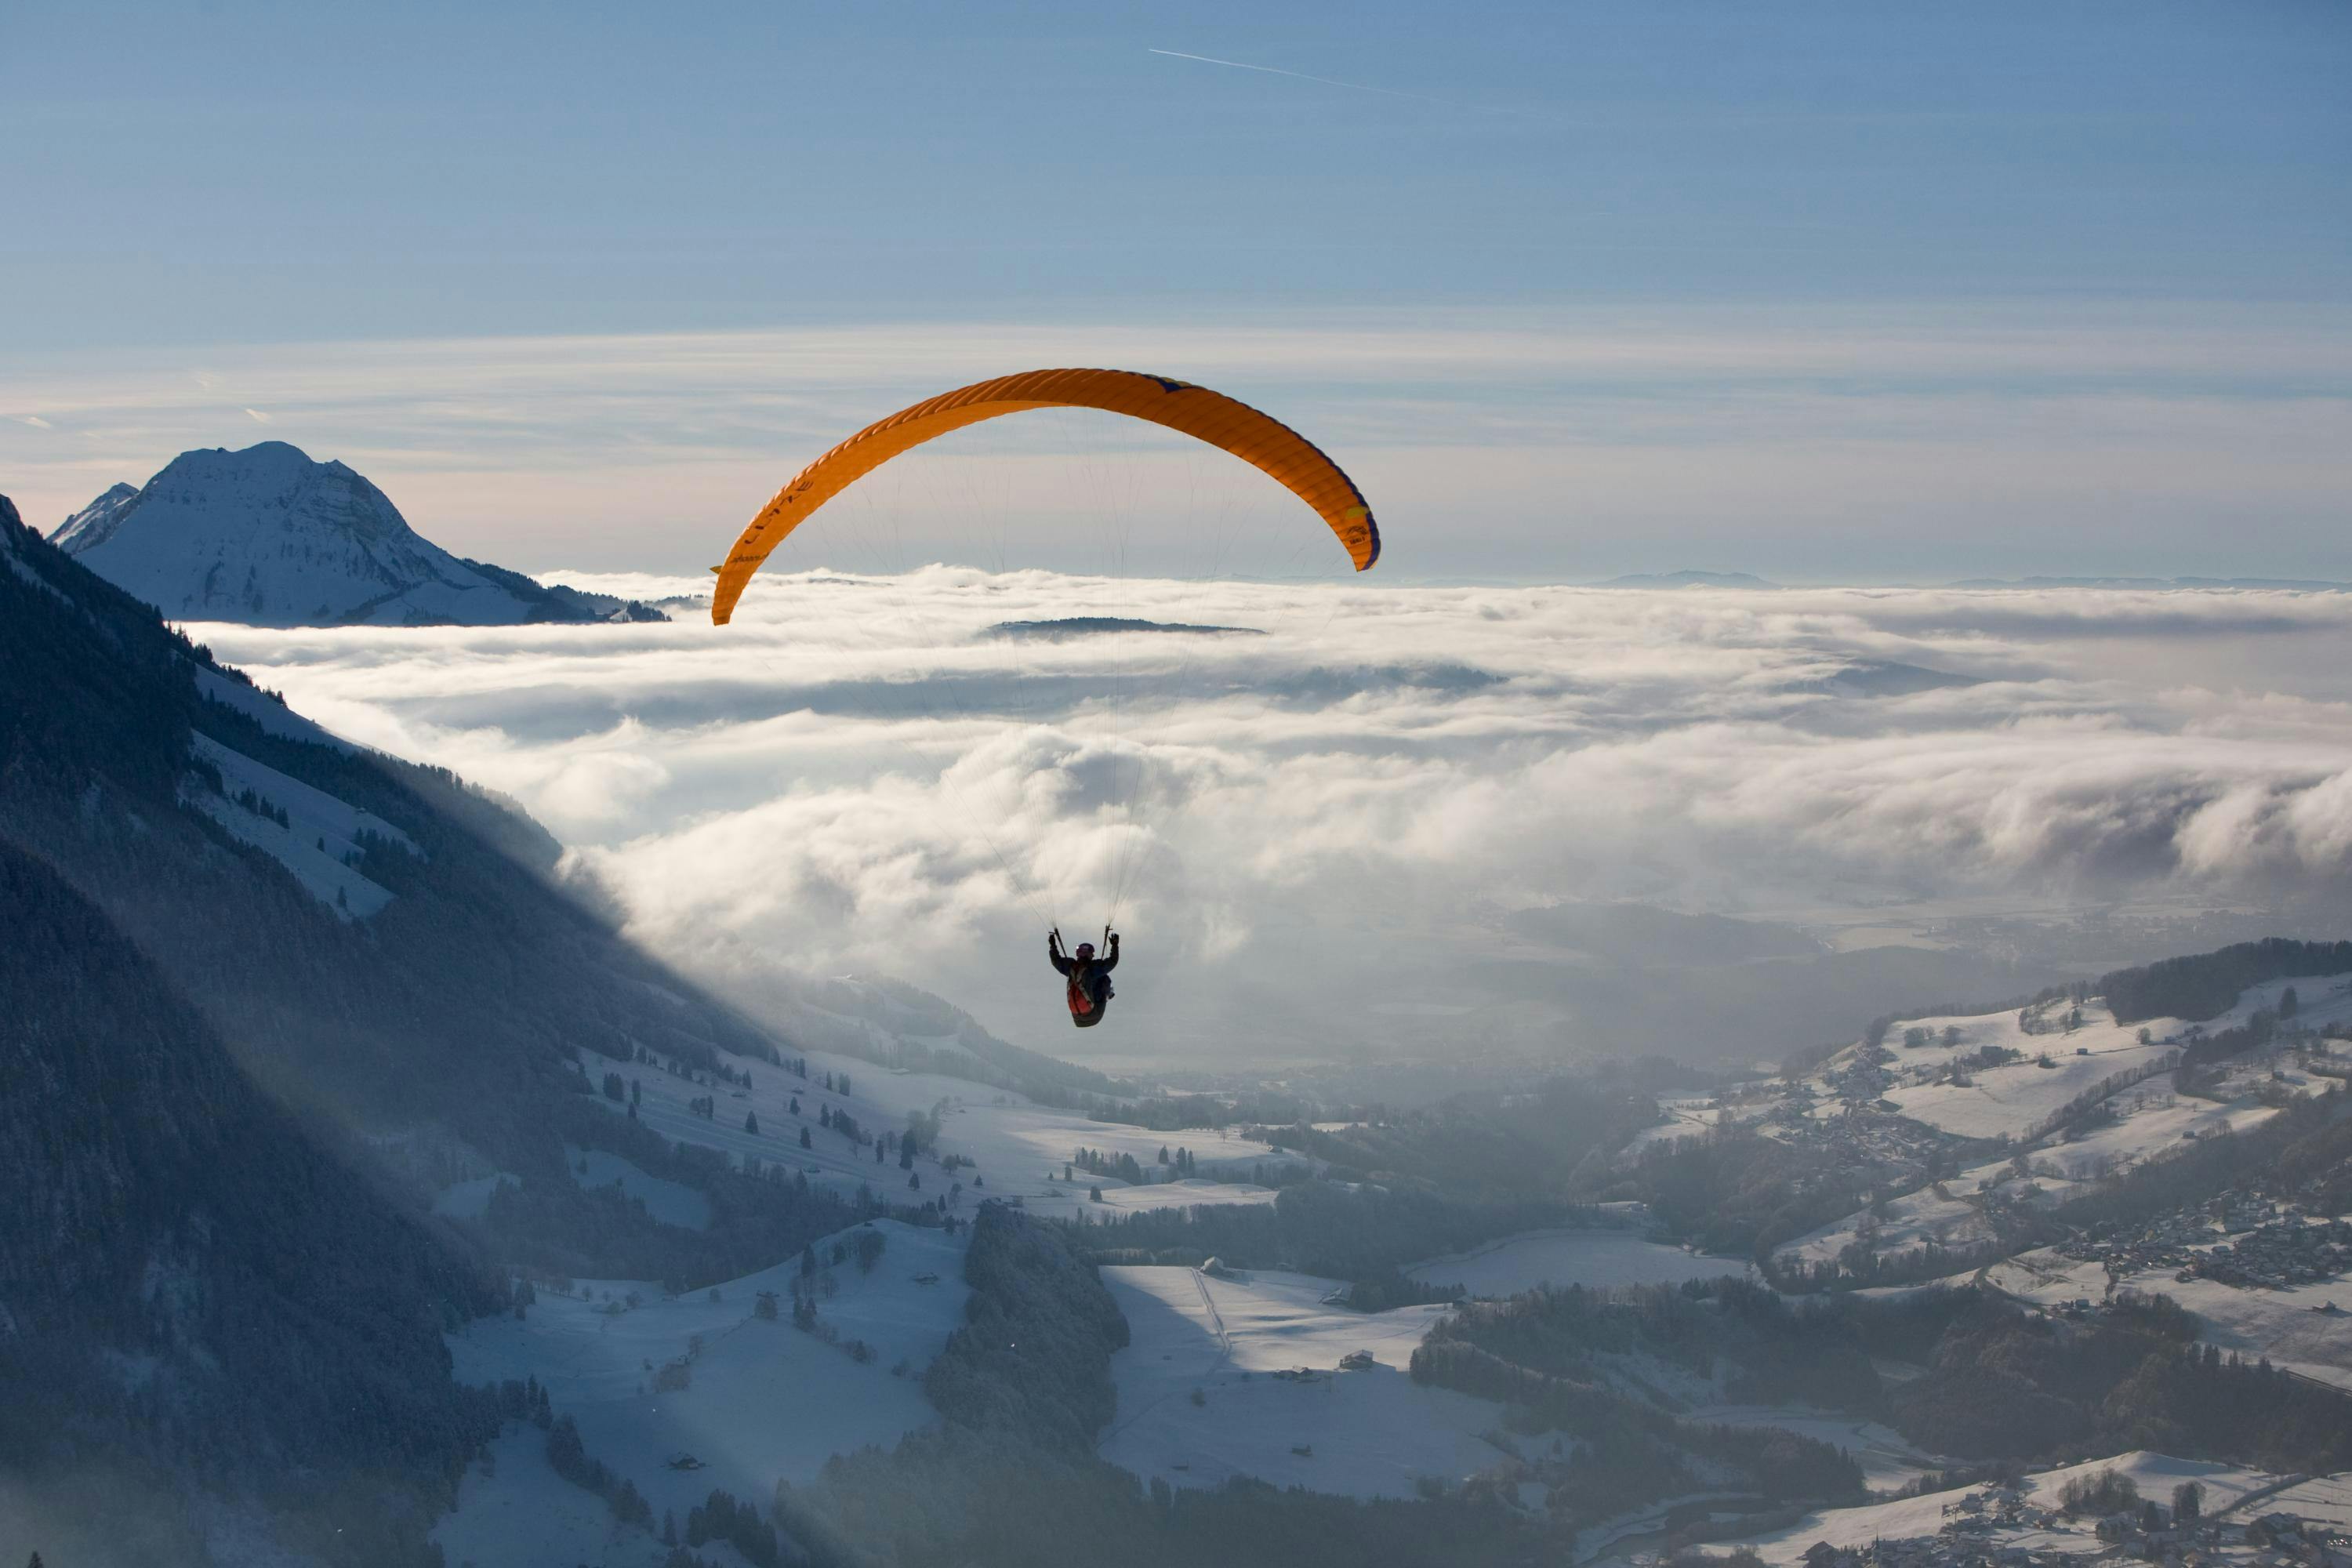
1326, 81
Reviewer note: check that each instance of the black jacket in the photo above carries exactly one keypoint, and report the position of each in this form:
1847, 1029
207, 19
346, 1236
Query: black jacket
1101, 964
1090, 979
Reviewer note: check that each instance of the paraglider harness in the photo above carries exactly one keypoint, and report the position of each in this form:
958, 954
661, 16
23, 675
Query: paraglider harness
1088, 991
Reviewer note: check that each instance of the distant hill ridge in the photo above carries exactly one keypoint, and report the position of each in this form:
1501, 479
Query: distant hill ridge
2297, 584
1687, 579
268, 537
1101, 626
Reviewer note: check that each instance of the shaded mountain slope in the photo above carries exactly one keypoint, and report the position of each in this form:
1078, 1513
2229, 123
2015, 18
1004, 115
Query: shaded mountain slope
188, 1283
451, 1027
385, 949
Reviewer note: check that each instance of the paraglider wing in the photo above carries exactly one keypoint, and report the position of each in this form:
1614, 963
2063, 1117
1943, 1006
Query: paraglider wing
1211, 416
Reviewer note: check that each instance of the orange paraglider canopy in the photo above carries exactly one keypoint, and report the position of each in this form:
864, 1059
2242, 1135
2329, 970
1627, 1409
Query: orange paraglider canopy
1256, 438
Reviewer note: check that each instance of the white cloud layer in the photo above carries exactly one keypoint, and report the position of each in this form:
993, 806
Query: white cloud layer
1324, 823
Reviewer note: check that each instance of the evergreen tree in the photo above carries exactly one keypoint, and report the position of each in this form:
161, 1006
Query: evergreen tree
566, 1455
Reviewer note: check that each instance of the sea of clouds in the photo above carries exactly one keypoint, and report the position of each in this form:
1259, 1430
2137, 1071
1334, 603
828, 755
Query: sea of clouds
1316, 833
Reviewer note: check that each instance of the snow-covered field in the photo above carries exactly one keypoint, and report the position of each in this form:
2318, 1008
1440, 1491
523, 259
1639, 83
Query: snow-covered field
2151, 1123
1061, 1200
668, 1201
1562, 1258
1369, 1433
2326, 1500
2014, 1099
763, 1400
2155, 1474
2290, 1325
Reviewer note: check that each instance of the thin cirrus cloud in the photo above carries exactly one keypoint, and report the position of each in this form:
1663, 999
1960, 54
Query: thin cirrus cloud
1812, 444
1324, 80
855, 777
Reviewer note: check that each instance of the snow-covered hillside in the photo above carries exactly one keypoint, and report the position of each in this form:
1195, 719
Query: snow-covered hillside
2298, 1327
682, 1395
267, 537
1230, 1376
1002, 1145
309, 832
2027, 1107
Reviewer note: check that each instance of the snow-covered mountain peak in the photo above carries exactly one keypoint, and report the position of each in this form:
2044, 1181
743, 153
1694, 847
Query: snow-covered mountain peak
270, 537
94, 523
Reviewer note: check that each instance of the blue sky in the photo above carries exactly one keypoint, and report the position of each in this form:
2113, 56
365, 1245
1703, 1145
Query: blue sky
192, 186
